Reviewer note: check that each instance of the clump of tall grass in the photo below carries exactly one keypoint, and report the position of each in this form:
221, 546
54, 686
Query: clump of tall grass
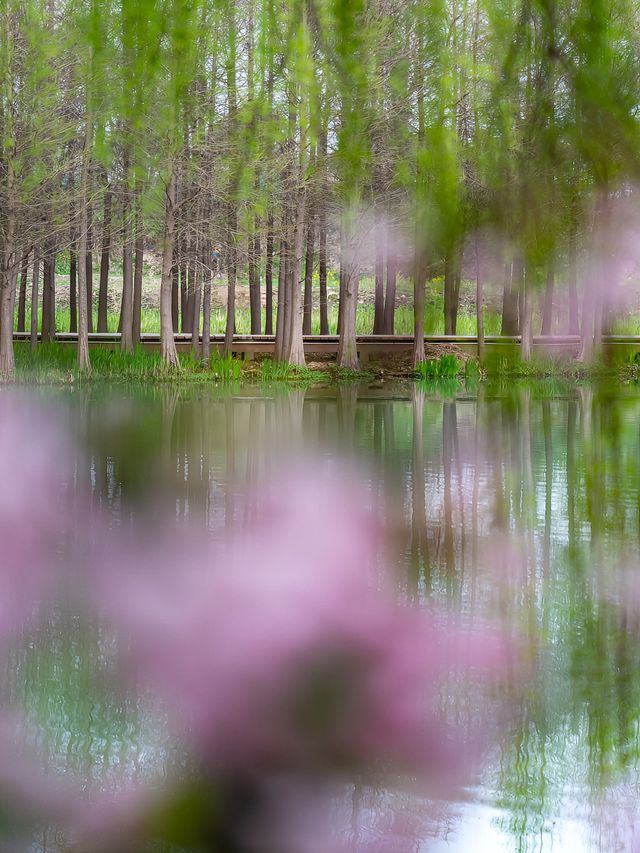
225, 368
445, 367
279, 371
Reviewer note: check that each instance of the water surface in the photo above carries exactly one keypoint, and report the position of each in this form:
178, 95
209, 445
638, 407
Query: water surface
520, 503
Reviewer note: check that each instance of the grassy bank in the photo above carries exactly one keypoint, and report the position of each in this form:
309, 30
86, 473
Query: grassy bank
55, 363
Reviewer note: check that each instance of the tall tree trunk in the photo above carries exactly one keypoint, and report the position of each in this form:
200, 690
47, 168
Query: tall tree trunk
547, 308
378, 308
49, 294
479, 305
167, 340
278, 352
89, 261
526, 340
206, 317
73, 286
512, 277
33, 336
103, 287
308, 275
137, 285
175, 292
451, 290
126, 339
574, 322
322, 269
22, 297
231, 279
254, 280
184, 316
419, 284
83, 361
268, 279
232, 213
347, 346
195, 318
295, 350
390, 295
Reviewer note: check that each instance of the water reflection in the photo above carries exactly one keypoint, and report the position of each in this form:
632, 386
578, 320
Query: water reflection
508, 503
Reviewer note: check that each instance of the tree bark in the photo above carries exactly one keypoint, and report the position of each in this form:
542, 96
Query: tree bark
419, 284
390, 296
547, 309
89, 261
526, 340
83, 361
175, 292
167, 340
451, 290
378, 309
73, 286
22, 297
254, 281
103, 287
308, 276
126, 339
479, 305
512, 275
322, 270
137, 285
206, 317
33, 336
268, 279
347, 346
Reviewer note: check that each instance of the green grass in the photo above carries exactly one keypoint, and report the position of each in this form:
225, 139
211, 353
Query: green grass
445, 367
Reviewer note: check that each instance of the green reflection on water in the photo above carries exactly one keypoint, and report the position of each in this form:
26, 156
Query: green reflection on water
521, 503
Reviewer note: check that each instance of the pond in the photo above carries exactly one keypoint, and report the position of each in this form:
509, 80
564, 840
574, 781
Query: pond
520, 504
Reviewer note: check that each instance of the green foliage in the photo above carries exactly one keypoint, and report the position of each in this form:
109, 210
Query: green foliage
445, 367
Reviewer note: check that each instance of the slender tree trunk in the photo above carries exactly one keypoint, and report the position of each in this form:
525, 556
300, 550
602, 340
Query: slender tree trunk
73, 286
175, 293
105, 253
295, 351
184, 316
574, 322
479, 305
390, 296
322, 270
231, 280
512, 277
22, 297
167, 340
83, 361
195, 320
308, 276
547, 309
126, 338
419, 284
206, 317
451, 290
378, 309
137, 285
33, 336
526, 340
268, 279
347, 346
89, 262
254, 282
49, 295
278, 353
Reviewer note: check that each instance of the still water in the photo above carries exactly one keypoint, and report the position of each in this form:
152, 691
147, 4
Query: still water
517, 503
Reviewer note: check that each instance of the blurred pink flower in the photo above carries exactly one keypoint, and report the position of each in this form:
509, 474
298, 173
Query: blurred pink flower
287, 649
32, 515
